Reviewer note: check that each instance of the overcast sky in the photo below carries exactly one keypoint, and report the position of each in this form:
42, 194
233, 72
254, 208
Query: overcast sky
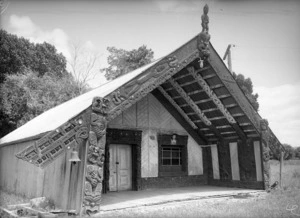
266, 35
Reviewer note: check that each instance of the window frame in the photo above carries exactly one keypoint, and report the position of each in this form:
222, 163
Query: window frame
165, 141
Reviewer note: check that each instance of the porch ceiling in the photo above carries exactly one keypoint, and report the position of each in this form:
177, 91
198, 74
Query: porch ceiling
200, 96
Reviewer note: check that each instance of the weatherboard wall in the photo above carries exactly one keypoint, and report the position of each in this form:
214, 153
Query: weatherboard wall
60, 181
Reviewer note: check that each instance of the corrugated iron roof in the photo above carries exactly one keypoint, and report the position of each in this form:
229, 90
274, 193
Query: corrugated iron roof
60, 114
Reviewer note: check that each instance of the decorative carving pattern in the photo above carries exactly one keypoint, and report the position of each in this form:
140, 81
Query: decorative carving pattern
247, 160
126, 91
55, 143
140, 87
177, 107
191, 103
224, 161
266, 154
211, 94
95, 156
204, 37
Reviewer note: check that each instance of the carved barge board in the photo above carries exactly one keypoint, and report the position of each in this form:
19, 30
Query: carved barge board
57, 142
134, 90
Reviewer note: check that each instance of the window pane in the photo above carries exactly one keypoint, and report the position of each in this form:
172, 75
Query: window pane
175, 161
175, 154
166, 161
166, 154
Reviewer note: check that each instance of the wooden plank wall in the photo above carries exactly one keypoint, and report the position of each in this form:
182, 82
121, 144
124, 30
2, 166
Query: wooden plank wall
19, 176
60, 181
150, 116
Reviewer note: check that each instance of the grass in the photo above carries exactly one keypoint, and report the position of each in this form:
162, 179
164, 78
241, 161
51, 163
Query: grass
9, 199
275, 204
290, 173
284, 202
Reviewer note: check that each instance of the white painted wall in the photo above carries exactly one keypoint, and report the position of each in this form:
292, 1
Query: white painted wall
234, 159
215, 161
150, 116
195, 161
257, 153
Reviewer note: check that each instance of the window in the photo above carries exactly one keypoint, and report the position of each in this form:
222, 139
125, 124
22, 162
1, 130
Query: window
172, 155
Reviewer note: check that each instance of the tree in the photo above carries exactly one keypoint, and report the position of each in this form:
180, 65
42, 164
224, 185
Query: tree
26, 95
247, 87
83, 65
18, 54
121, 61
297, 152
288, 154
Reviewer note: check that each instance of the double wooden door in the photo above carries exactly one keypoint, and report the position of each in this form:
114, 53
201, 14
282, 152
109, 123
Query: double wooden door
120, 167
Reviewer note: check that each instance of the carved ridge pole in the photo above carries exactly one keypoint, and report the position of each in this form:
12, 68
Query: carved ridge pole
95, 157
264, 126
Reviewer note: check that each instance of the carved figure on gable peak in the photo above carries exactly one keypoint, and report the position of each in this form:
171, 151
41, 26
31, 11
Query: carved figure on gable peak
204, 37
205, 18
100, 105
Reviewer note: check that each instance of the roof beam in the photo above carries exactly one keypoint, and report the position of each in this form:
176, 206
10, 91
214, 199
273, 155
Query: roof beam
182, 113
197, 135
211, 94
192, 104
216, 101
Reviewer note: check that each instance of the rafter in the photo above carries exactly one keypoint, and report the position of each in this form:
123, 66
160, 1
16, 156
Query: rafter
209, 76
191, 103
224, 96
211, 94
215, 86
223, 127
187, 83
167, 96
217, 102
195, 92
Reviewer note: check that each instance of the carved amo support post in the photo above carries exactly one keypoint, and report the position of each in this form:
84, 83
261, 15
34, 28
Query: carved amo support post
265, 152
95, 157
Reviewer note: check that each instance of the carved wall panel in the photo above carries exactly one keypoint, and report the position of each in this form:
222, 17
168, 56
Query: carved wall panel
55, 143
247, 160
224, 161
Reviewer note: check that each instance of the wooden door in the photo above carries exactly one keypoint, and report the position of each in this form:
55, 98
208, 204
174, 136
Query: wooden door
120, 167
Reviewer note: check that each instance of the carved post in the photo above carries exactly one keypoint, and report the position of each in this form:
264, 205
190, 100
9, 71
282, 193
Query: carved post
265, 152
95, 157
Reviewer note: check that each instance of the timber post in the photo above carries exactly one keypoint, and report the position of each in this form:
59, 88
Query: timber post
264, 125
95, 157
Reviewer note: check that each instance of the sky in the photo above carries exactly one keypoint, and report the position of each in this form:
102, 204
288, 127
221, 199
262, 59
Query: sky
265, 33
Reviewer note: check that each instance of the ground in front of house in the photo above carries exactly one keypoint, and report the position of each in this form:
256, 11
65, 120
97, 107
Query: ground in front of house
284, 202
279, 203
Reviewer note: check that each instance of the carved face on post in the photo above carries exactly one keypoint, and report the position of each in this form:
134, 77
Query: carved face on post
264, 124
98, 125
100, 105
205, 9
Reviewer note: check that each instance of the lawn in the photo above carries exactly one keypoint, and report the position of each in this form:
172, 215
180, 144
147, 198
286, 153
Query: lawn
290, 173
284, 202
